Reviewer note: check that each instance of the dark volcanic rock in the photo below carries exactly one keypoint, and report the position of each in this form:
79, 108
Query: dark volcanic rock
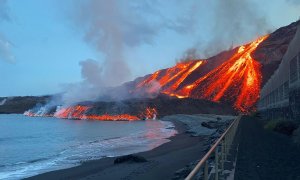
19, 105
164, 106
129, 158
272, 49
270, 52
184, 172
212, 124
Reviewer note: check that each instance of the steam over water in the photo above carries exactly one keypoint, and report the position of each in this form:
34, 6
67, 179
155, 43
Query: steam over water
30, 146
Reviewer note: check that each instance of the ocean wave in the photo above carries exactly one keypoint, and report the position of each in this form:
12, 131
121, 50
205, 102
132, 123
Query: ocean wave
142, 140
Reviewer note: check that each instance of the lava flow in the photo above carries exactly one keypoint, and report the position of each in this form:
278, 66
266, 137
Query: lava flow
169, 79
71, 112
108, 117
81, 112
237, 80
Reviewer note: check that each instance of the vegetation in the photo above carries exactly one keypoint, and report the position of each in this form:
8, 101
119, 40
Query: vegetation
286, 127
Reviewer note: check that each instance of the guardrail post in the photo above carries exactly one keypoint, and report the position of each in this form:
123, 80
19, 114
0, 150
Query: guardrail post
222, 156
225, 143
216, 164
226, 146
206, 171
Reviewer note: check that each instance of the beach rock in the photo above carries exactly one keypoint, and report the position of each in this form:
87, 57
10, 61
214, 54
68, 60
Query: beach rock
286, 127
184, 172
129, 158
216, 124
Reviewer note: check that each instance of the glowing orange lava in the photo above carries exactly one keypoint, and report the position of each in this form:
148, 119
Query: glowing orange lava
150, 113
107, 117
237, 80
80, 112
75, 112
170, 79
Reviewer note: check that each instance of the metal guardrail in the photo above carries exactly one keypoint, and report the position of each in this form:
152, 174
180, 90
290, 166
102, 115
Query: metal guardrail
220, 150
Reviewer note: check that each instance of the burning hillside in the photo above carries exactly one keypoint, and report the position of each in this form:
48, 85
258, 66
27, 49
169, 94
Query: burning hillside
237, 80
233, 78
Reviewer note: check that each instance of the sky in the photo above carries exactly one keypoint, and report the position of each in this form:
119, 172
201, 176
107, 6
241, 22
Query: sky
49, 46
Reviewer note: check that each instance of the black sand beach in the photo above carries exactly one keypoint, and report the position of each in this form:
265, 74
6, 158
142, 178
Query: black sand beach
162, 163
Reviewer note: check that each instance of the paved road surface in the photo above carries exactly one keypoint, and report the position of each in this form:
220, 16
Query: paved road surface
265, 155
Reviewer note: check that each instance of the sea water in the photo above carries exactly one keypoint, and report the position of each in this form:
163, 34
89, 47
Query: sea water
34, 145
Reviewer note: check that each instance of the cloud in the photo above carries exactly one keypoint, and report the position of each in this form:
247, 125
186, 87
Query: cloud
4, 15
5, 51
5, 45
294, 2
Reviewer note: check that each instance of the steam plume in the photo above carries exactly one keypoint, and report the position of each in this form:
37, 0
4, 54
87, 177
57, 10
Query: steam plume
190, 54
2, 102
110, 27
234, 22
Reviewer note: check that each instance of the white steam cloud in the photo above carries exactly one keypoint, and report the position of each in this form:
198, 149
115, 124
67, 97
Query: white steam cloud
234, 22
5, 46
110, 26
2, 102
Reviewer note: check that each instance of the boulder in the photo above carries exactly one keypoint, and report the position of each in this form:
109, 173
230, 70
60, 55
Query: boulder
129, 158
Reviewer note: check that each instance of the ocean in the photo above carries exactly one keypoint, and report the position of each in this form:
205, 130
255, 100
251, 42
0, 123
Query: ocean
34, 145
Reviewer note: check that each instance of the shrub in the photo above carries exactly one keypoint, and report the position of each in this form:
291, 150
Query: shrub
286, 127
271, 124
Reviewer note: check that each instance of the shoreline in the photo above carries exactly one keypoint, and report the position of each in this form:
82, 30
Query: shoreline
162, 161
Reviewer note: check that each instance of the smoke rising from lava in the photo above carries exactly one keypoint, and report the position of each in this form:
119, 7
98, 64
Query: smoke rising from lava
5, 45
110, 27
235, 22
190, 54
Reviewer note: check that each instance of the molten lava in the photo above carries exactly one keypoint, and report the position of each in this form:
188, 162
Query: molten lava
81, 112
107, 117
76, 112
150, 113
170, 79
237, 80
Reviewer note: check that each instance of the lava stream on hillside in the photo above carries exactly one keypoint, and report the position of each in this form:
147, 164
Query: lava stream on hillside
236, 81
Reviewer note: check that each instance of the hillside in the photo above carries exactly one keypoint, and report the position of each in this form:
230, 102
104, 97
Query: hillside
234, 76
